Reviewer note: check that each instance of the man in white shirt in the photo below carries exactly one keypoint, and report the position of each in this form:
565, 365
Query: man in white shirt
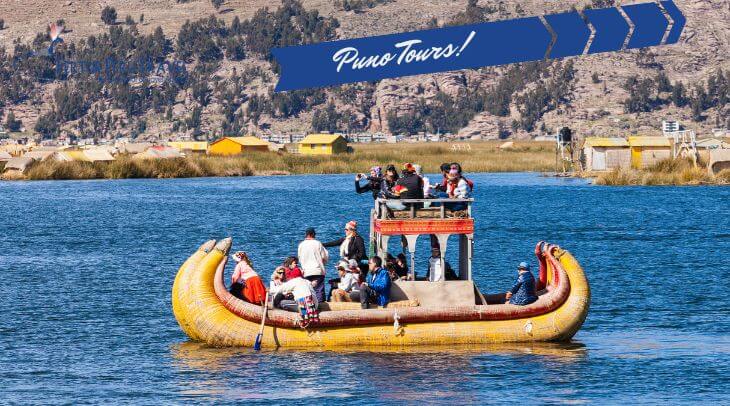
435, 272
313, 257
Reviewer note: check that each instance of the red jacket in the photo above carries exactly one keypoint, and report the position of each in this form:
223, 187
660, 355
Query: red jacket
290, 273
445, 182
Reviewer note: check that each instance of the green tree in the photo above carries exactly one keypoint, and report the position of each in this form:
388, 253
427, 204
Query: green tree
679, 97
109, 15
662, 83
12, 124
47, 125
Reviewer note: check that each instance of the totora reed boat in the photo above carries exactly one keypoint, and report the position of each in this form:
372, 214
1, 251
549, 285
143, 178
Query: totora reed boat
422, 312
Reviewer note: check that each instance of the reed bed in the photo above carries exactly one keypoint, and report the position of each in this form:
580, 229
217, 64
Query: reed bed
664, 173
474, 157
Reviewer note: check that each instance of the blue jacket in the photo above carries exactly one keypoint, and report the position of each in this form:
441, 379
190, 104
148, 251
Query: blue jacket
523, 293
379, 281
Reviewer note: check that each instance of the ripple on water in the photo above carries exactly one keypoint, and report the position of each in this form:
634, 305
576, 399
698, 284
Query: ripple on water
87, 269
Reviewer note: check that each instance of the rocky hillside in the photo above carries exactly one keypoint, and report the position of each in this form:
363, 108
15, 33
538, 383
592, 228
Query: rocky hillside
231, 86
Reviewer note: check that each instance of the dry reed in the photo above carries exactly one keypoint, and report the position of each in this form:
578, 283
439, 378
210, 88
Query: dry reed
474, 157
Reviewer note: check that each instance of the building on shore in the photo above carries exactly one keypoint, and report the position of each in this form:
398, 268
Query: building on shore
647, 151
605, 154
84, 155
18, 165
238, 145
133, 147
159, 152
40, 154
190, 147
718, 160
322, 144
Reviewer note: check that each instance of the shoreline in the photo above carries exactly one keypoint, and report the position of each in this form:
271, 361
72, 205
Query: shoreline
474, 157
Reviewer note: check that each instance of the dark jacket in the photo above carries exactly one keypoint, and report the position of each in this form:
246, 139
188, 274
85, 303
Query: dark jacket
379, 281
523, 293
413, 184
374, 186
356, 249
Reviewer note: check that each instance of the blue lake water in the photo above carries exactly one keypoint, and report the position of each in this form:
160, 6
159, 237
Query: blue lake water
87, 269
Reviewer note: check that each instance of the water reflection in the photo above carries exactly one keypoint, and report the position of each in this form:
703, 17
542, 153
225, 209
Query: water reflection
401, 374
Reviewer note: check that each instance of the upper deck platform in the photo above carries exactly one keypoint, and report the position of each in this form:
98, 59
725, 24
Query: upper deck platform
434, 218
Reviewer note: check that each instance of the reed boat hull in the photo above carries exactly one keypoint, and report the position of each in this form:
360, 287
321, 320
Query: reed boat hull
208, 313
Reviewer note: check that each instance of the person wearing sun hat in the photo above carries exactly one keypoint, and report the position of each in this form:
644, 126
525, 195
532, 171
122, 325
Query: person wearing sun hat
352, 245
349, 281
523, 291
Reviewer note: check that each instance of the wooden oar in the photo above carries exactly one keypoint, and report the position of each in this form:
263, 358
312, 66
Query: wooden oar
260, 335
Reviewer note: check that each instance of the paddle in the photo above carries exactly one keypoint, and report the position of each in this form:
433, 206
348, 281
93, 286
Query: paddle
260, 335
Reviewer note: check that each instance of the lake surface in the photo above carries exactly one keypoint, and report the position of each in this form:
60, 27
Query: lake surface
87, 268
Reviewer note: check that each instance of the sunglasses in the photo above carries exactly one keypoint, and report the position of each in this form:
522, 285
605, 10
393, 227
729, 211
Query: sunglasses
280, 273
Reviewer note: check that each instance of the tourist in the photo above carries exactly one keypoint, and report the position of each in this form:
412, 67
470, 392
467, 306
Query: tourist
444, 168
377, 288
356, 269
253, 290
410, 186
427, 188
305, 300
449, 171
392, 274
374, 185
313, 257
291, 268
389, 180
349, 282
352, 245
456, 187
435, 273
401, 266
457, 166
339, 269
277, 278
523, 292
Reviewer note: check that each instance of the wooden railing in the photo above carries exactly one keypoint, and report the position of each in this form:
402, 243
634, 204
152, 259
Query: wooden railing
381, 206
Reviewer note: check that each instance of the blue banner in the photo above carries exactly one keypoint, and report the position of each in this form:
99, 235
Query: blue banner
477, 45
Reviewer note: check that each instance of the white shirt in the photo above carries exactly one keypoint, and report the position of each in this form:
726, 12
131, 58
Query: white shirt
460, 190
348, 282
426, 186
435, 273
298, 287
312, 258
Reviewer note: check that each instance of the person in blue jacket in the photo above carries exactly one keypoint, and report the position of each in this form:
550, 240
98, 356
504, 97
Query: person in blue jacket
523, 292
376, 289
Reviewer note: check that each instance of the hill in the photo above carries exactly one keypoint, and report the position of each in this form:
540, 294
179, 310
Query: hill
228, 75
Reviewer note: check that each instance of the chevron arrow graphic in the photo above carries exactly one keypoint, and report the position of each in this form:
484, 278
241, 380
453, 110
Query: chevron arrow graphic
677, 19
610, 27
571, 34
649, 25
